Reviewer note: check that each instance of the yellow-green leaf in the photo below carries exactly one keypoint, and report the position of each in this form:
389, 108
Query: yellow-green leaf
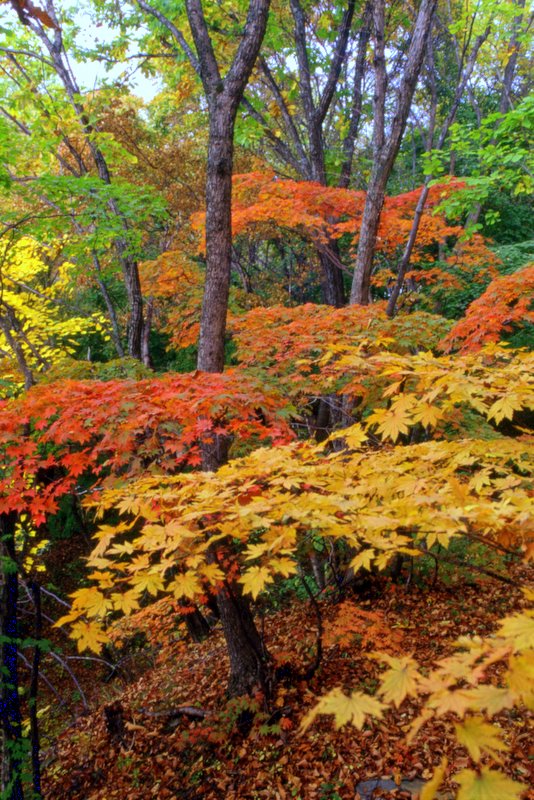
478, 736
430, 789
520, 629
400, 680
352, 708
488, 785
255, 579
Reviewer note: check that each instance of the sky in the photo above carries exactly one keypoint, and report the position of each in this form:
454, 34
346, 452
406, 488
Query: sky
91, 73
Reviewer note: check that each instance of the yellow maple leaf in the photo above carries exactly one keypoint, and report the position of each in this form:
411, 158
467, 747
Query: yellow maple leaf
355, 436
478, 736
490, 698
427, 414
363, 559
186, 584
394, 420
285, 566
255, 550
125, 548
504, 407
520, 629
345, 708
91, 601
400, 680
89, 636
148, 581
487, 785
105, 579
447, 701
212, 573
126, 602
255, 579
430, 789
520, 677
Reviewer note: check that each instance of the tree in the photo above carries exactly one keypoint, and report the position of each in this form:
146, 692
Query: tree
386, 145
47, 29
37, 324
466, 65
223, 96
305, 117
506, 305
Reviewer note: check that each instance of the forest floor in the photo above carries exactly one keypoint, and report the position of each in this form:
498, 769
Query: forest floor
133, 744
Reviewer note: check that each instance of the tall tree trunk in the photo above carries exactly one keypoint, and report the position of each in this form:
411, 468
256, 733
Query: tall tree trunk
11, 712
248, 660
374, 201
332, 285
35, 591
465, 71
386, 148
218, 240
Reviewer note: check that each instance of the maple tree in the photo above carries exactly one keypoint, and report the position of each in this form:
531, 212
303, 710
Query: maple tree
266, 206
506, 304
36, 330
291, 515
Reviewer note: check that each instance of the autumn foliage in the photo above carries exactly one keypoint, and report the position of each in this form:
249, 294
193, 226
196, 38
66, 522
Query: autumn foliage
122, 428
506, 304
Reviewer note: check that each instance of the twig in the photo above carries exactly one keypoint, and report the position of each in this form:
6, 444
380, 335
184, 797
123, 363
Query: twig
186, 711
312, 669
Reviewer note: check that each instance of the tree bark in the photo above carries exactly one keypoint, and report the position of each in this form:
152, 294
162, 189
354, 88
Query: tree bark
11, 712
386, 149
35, 591
248, 660
218, 239
248, 657
332, 284
466, 67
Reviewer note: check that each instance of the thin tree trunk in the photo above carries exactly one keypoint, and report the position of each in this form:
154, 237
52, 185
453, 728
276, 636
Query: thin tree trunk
35, 590
248, 657
145, 340
11, 712
332, 283
386, 148
463, 79
5, 326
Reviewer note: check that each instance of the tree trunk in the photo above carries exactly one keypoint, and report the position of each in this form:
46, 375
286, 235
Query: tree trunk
332, 284
386, 148
218, 240
361, 284
11, 713
248, 657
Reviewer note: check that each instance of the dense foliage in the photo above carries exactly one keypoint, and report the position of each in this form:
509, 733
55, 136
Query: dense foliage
266, 379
